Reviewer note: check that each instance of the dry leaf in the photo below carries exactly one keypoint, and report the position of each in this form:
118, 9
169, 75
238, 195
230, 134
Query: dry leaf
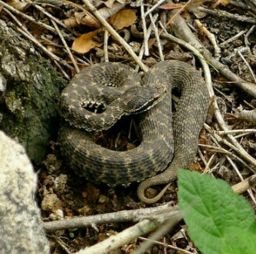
86, 18
109, 3
188, 5
123, 18
192, 7
195, 167
106, 12
86, 42
220, 2
17, 4
36, 30
83, 18
171, 6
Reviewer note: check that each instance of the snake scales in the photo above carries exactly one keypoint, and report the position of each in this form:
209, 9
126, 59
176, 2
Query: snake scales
115, 90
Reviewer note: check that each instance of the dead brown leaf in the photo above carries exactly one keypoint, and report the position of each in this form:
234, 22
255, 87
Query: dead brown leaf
110, 3
123, 18
106, 12
83, 18
195, 3
221, 2
195, 167
17, 4
86, 42
171, 6
87, 19
187, 5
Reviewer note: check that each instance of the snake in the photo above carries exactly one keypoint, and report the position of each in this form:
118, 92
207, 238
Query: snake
101, 94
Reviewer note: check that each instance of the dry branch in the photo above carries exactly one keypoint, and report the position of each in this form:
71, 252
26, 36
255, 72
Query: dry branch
182, 31
121, 216
115, 35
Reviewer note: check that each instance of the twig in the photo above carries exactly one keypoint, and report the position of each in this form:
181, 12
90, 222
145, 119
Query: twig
62, 244
186, 34
23, 30
234, 52
49, 15
233, 38
106, 36
160, 232
127, 235
236, 131
246, 41
181, 30
252, 2
12, 9
237, 147
242, 5
62, 70
177, 12
228, 156
216, 149
154, 7
50, 54
157, 38
121, 216
168, 36
232, 163
147, 35
209, 163
144, 28
247, 64
202, 157
225, 14
115, 35
217, 140
246, 184
210, 36
179, 250
66, 47
238, 188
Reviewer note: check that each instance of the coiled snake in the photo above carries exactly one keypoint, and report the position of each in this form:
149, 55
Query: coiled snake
115, 90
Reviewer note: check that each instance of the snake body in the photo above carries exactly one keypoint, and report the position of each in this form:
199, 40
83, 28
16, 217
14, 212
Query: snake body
118, 91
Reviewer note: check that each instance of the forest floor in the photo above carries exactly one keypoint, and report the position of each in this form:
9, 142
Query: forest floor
70, 31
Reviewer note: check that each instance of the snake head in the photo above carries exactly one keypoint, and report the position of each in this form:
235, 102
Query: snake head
139, 99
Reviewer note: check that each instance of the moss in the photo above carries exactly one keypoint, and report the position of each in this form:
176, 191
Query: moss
31, 107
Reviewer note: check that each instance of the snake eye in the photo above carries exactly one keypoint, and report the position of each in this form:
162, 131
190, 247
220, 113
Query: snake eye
147, 105
94, 107
140, 99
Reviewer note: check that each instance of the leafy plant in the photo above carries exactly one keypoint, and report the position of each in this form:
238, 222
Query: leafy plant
219, 221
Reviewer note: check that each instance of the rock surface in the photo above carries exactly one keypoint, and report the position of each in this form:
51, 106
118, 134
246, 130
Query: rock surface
29, 91
20, 224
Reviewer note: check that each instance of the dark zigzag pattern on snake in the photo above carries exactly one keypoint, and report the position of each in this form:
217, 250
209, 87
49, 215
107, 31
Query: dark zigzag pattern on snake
167, 142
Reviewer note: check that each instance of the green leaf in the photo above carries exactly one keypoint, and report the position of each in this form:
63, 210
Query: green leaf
239, 241
210, 209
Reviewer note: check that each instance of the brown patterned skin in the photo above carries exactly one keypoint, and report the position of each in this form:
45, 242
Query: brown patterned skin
159, 134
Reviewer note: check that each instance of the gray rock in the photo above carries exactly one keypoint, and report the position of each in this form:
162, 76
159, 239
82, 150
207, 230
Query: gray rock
21, 229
